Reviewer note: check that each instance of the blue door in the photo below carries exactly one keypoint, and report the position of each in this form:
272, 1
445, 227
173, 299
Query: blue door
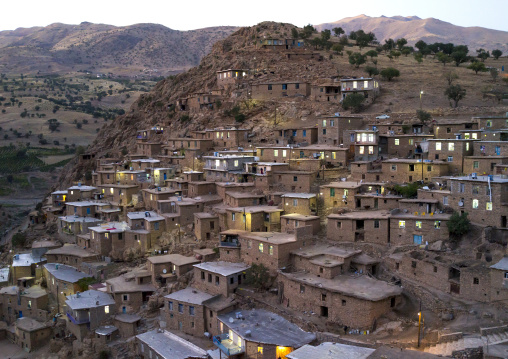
88, 210
165, 176
417, 239
20, 314
124, 310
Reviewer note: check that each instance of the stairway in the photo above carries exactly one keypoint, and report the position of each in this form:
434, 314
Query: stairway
489, 336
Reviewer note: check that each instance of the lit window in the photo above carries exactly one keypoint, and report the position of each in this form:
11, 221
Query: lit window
451, 146
334, 155
474, 136
411, 141
276, 153
365, 84
419, 224
355, 84
450, 159
489, 206
233, 216
437, 224
371, 137
475, 203
467, 146
371, 150
270, 250
261, 247
106, 309
324, 123
397, 142
284, 153
362, 150
364, 137
236, 163
438, 146
402, 224
260, 350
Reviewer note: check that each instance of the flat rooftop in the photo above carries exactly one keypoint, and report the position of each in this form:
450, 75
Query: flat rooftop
299, 195
73, 250
25, 260
358, 286
126, 283
190, 295
275, 329
64, 272
300, 217
255, 209
362, 215
322, 249
72, 219
223, 268
89, 299
146, 215
244, 194
171, 346
330, 351
29, 324
176, 259
343, 184
270, 237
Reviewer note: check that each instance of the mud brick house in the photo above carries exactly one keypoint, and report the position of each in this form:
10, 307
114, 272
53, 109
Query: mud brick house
253, 218
206, 226
331, 128
442, 196
149, 221
469, 134
241, 199
452, 151
165, 345
108, 239
103, 177
490, 148
326, 91
405, 146
201, 101
332, 156
372, 200
290, 222
26, 265
362, 226
363, 144
230, 77
491, 122
131, 290
62, 280
219, 277
305, 135
483, 165
149, 149
365, 170
118, 194
87, 311
418, 227
241, 336
300, 203
180, 210
80, 192
447, 129
484, 198
71, 254
195, 312
151, 196
223, 187
200, 188
70, 226
281, 89
228, 137
420, 205
131, 177
83, 208
142, 164
274, 154
410, 170
368, 87
169, 267
281, 44
19, 302
340, 194
58, 198
225, 169
318, 285
31, 334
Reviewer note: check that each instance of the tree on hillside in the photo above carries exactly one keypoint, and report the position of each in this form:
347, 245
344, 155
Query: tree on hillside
325, 35
482, 54
354, 102
443, 58
258, 276
371, 70
418, 57
337, 48
357, 59
352, 35
294, 33
458, 225
406, 50
450, 76
338, 31
390, 73
371, 54
497, 53
401, 43
421, 45
477, 66
389, 45
459, 57
423, 116
455, 93
395, 54
308, 30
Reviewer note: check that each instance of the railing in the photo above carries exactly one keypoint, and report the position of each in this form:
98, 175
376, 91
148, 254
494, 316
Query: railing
230, 244
76, 321
230, 349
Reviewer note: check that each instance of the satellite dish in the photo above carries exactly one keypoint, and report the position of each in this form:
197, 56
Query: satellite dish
164, 271
461, 204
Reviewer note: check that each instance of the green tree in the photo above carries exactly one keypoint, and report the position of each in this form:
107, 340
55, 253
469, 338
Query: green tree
18, 239
451, 76
401, 43
497, 53
408, 191
354, 102
389, 45
294, 33
459, 57
337, 48
406, 51
357, 59
326, 35
371, 54
418, 57
477, 67
458, 225
258, 276
363, 39
390, 73
307, 31
371, 70
443, 58
455, 93
493, 73
482, 54
337, 31
423, 116
421, 45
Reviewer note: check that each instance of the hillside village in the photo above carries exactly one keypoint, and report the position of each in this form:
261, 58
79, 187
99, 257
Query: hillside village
215, 224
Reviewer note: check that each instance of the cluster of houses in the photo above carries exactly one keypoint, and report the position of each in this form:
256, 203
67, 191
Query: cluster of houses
299, 207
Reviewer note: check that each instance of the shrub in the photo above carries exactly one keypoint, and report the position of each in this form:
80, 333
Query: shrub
458, 225
258, 276
83, 283
353, 101
390, 73
408, 191
18, 240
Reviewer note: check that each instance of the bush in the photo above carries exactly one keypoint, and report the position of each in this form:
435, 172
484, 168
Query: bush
408, 191
258, 276
18, 240
390, 73
458, 225
83, 283
353, 101
185, 118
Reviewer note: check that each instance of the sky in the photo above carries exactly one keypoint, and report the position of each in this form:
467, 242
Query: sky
188, 14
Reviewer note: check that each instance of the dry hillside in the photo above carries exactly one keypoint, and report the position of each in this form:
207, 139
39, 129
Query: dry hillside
429, 30
105, 48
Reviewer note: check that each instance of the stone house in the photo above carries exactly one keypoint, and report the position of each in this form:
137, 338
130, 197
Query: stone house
162, 344
452, 151
26, 265
142, 164
363, 144
364, 226
228, 137
219, 277
195, 312
368, 87
447, 129
326, 91
243, 199
17, 302
148, 149
331, 128
340, 194
226, 168
71, 226
230, 77
109, 238
31, 334
290, 222
62, 280
201, 188
280, 89
118, 194
418, 227
241, 336
87, 311
127, 324
300, 203
71, 254
483, 165
330, 155
401, 145
490, 148
151, 196
169, 267
491, 122
289, 136
206, 226
253, 219
410, 170
131, 290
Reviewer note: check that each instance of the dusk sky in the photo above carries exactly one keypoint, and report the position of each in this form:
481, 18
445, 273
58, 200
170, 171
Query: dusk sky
187, 15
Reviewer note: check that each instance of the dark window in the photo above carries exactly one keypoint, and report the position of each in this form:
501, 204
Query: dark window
284, 86
476, 280
297, 86
269, 87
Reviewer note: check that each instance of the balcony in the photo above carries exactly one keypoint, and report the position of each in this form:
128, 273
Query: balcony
233, 244
77, 321
226, 345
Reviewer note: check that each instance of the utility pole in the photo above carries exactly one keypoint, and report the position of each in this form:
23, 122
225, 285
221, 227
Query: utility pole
421, 93
420, 320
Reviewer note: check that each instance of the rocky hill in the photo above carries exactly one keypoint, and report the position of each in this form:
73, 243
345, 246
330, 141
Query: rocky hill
431, 30
104, 48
